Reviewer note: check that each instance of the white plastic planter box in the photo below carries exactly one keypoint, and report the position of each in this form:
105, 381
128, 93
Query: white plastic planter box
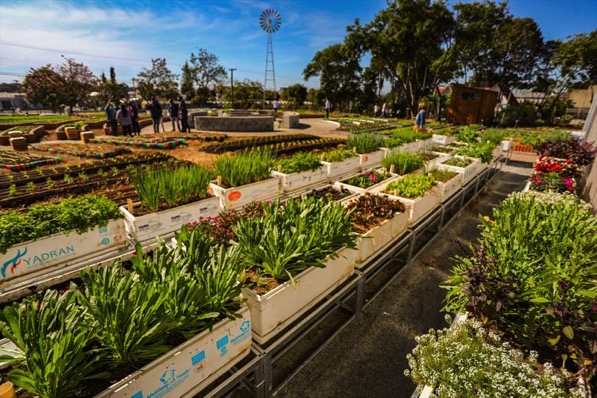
278, 308
233, 198
192, 365
295, 181
441, 157
61, 249
468, 172
449, 188
421, 206
377, 238
335, 187
372, 159
443, 139
164, 222
347, 166
507, 145
342, 184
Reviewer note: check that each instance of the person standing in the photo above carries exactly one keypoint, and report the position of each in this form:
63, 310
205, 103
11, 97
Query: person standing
383, 110
124, 117
276, 104
132, 108
173, 112
111, 117
375, 110
184, 115
327, 107
156, 114
420, 118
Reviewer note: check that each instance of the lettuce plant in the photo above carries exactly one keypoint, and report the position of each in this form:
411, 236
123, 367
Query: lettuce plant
337, 155
411, 186
298, 162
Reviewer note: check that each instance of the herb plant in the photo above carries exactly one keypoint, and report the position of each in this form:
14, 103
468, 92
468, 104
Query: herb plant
56, 344
459, 162
75, 214
442, 175
338, 155
243, 168
365, 143
301, 161
411, 186
403, 162
479, 150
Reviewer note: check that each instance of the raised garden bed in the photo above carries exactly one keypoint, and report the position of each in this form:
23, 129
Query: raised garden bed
169, 144
17, 161
468, 167
97, 153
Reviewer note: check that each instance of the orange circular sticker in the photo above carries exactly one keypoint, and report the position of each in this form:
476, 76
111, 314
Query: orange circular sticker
210, 191
365, 159
234, 195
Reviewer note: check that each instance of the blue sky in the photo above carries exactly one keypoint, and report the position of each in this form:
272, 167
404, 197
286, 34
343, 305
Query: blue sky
126, 34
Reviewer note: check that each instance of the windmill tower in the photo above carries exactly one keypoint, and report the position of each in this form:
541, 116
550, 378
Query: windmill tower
270, 21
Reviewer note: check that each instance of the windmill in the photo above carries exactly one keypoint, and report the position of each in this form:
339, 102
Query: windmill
270, 21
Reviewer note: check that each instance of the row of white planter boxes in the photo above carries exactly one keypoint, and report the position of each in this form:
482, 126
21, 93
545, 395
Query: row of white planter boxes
190, 367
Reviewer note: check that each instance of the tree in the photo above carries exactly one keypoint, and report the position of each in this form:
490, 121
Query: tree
297, 93
338, 69
247, 94
78, 82
158, 81
412, 40
186, 81
43, 86
576, 58
206, 72
111, 88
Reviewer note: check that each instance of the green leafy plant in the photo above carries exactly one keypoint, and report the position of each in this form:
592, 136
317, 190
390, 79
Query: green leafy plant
466, 359
338, 155
367, 179
12, 190
174, 186
301, 161
403, 162
243, 168
411, 186
56, 344
479, 150
442, 175
535, 275
293, 236
365, 143
368, 211
459, 162
131, 314
74, 214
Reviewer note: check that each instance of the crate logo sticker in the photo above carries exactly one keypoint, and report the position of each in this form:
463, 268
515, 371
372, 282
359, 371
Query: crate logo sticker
13, 263
222, 345
170, 380
245, 332
181, 218
150, 226
197, 361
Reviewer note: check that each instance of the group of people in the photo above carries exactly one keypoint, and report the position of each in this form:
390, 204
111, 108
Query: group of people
178, 112
125, 115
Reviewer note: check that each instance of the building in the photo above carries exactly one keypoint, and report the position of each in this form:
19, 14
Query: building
470, 105
12, 101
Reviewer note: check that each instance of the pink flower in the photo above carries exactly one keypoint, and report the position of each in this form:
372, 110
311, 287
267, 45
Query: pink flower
372, 177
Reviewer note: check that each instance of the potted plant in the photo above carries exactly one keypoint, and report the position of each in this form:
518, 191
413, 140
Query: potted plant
300, 171
169, 198
448, 183
366, 180
403, 163
370, 148
468, 167
340, 162
175, 321
48, 235
379, 219
418, 192
243, 178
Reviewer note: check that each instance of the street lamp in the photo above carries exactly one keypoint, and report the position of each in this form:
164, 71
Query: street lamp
232, 85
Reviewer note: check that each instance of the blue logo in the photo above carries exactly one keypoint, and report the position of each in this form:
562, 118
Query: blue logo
246, 325
13, 263
105, 241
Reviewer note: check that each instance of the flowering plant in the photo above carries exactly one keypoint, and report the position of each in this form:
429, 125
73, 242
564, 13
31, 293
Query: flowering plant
549, 164
580, 151
467, 361
367, 179
552, 181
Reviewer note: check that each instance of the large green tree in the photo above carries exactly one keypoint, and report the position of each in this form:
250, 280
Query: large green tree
186, 81
338, 69
110, 88
206, 72
296, 94
412, 41
159, 81
247, 94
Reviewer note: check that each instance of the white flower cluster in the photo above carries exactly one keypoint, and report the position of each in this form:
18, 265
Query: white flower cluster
550, 197
467, 361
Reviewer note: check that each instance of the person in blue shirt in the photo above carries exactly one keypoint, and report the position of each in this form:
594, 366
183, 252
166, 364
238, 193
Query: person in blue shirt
420, 119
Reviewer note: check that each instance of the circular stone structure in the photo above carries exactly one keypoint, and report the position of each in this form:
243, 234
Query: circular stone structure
237, 121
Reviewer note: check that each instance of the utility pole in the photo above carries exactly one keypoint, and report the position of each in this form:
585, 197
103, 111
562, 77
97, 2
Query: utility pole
232, 85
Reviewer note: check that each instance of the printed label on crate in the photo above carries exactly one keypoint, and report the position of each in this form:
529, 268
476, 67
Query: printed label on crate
150, 226
170, 380
181, 218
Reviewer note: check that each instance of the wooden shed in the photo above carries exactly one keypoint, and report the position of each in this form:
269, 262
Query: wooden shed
472, 105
